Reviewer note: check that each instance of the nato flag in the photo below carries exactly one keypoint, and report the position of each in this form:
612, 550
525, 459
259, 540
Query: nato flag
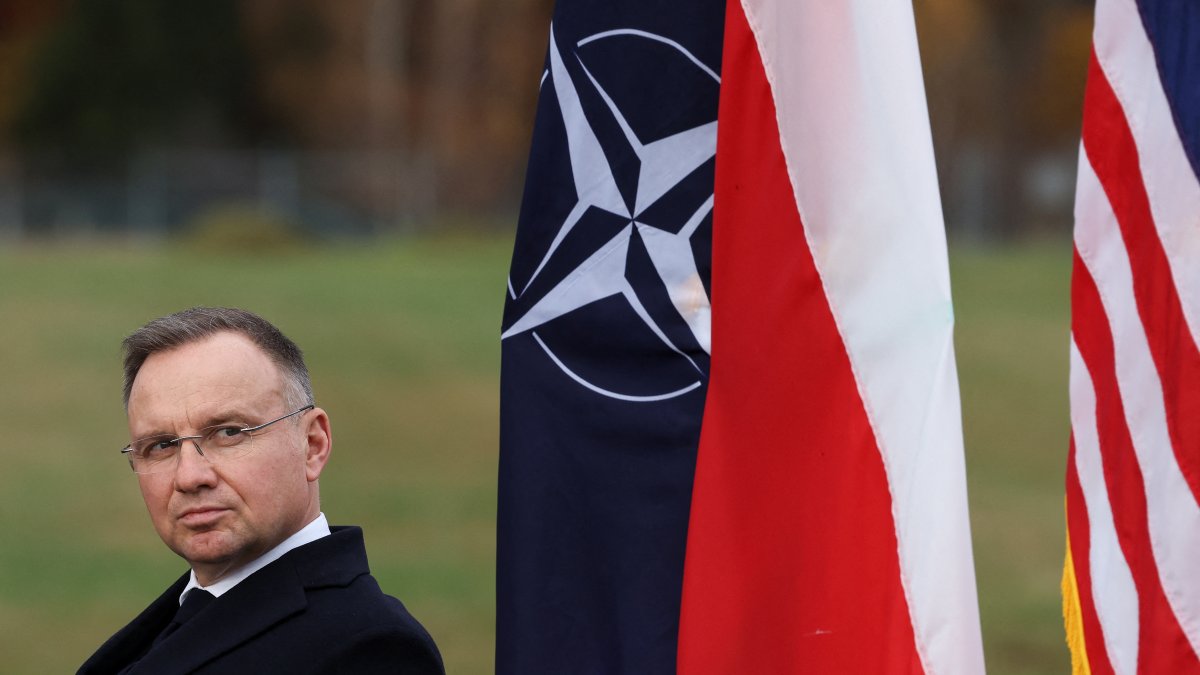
605, 339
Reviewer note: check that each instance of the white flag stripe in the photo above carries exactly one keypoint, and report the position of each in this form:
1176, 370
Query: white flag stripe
1172, 513
1127, 58
854, 114
1117, 601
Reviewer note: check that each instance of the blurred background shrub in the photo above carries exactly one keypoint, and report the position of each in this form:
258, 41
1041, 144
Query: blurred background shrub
242, 228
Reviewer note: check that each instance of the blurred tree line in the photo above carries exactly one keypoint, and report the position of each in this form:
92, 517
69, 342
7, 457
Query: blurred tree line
89, 85
452, 80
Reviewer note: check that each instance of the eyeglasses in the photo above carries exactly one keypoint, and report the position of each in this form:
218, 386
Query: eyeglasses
157, 454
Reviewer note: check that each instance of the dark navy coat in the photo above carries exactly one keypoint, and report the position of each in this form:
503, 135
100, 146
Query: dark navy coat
316, 609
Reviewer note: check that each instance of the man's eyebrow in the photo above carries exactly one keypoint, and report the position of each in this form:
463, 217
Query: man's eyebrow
154, 434
211, 420
223, 417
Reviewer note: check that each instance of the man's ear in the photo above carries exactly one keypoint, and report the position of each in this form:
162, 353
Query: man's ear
318, 443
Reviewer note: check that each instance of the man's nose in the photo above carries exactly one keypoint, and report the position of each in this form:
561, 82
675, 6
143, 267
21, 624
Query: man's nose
193, 470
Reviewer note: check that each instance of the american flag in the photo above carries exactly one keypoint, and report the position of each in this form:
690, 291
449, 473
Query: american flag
775, 485
1131, 585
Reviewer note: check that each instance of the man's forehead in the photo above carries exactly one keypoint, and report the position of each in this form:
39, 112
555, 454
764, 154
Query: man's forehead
212, 370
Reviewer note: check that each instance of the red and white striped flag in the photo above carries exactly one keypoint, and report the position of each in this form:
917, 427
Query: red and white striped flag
829, 529
1131, 584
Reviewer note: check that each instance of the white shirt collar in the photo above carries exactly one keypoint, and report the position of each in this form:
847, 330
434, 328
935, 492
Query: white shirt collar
318, 528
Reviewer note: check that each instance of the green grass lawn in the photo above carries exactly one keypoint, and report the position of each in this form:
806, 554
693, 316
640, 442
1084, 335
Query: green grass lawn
1012, 333
402, 341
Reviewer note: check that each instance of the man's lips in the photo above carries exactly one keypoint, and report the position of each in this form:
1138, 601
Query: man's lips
201, 516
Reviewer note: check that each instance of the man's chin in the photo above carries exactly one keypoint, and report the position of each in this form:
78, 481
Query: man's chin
211, 547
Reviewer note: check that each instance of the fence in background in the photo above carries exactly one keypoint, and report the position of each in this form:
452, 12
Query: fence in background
160, 193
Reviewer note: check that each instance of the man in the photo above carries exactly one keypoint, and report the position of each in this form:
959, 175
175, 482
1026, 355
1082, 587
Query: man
228, 446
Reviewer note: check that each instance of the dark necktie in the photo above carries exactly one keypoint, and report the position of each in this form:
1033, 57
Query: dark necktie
195, 601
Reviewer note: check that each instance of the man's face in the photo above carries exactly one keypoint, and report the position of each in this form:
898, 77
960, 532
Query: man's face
219, 516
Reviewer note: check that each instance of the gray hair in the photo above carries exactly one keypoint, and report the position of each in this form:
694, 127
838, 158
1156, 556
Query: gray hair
197, 323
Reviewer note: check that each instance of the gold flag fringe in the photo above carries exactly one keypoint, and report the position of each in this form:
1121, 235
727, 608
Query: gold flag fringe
1073, 617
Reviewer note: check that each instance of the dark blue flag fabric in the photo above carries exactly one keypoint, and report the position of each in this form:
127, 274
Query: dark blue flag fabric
605, 339
1173, 28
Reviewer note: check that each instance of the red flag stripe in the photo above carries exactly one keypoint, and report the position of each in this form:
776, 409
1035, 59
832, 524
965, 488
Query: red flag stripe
792, 561
1113, 154
1163, 646
1077, 525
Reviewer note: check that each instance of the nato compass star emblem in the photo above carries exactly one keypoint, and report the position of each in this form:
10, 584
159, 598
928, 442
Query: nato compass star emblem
639, 223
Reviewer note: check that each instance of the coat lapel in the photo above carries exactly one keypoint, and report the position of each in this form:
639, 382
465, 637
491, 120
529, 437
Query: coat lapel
265, 598
262, 600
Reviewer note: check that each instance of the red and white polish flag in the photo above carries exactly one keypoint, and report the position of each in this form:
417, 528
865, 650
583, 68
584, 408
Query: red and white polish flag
829, 529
